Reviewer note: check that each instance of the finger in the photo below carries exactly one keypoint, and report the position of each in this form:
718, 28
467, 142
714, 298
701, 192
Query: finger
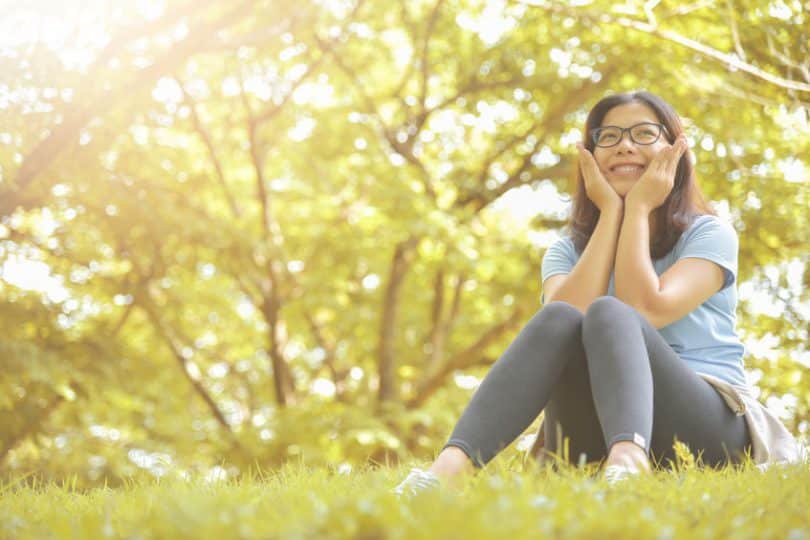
684, 145
660, 161
583, 164
680, 148
586, 159
669, 156
582, 150
668, 162
678, 145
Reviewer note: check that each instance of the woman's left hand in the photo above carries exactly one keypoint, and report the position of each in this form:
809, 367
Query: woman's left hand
655, 185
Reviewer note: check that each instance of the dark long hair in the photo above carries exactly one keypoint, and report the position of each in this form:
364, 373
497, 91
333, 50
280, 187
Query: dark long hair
684, 203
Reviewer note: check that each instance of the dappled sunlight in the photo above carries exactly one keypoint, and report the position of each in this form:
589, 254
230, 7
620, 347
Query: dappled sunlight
238, 235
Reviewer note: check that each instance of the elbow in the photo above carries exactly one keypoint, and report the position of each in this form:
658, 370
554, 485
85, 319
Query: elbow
650, 316
654, 319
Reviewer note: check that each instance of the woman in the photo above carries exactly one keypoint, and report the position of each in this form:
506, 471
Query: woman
638, 317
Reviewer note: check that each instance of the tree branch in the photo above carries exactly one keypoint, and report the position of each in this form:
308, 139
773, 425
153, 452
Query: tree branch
199, 389
386, 359
464, 359
437, 336
388, 134
75, 118
30, 427
212, 154
729, 60
424, 69
735, 34
553, 122
338, 377
272, 299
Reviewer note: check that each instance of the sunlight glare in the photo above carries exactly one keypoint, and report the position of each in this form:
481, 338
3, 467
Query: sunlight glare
32, 275
492, 24
323, 387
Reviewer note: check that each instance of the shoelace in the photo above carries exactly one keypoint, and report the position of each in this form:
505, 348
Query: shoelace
416, 481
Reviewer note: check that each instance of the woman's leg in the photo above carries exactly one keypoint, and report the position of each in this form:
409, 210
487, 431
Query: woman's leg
644, 393
571, 414
518, 385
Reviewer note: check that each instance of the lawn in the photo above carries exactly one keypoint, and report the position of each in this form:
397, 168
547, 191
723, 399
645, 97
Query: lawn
517, 500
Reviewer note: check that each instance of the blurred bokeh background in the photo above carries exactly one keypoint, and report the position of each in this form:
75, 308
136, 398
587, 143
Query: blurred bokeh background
238, 234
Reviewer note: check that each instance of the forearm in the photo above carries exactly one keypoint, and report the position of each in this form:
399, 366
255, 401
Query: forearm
589, 278
635, 280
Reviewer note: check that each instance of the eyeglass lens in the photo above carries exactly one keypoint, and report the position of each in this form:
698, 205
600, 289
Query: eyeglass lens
639, 134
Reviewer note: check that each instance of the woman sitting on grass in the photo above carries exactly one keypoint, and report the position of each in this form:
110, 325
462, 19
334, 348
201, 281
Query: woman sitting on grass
636, 343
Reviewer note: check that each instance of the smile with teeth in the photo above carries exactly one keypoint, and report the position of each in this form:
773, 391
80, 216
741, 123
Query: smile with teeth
627, 170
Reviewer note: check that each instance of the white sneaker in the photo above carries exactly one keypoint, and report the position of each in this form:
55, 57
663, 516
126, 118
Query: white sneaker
616, 473
418, 480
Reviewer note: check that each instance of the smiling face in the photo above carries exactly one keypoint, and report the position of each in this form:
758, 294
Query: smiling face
623, 164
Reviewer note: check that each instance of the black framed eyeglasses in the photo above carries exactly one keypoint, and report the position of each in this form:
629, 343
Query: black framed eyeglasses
643, 133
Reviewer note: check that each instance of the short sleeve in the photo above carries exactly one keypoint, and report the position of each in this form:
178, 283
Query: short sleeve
559, 258
715, 240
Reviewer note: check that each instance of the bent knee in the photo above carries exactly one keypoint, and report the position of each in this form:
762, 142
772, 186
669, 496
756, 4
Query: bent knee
605, 310
558, 308
558, 314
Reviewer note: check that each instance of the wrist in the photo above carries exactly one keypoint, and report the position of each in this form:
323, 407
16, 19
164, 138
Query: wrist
637, 209
613, 207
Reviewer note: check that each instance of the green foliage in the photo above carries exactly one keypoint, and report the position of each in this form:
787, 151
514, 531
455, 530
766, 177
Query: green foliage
273, 231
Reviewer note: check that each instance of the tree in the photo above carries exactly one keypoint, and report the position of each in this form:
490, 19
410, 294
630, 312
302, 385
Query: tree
291, 216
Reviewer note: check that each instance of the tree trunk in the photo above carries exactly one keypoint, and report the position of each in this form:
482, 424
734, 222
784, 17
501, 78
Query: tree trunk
403, 256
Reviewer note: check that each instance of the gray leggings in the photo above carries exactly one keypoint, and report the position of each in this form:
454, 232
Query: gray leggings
603, 377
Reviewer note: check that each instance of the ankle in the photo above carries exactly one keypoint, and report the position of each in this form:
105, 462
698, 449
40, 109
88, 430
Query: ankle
451, 463
628, 454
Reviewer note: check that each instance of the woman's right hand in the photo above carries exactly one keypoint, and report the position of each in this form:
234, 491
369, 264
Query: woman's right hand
596, 186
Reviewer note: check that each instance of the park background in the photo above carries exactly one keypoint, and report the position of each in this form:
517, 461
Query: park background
237, 235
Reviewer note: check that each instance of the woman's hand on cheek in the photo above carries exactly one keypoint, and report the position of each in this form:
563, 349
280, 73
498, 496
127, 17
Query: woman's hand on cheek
597, 188
655, 185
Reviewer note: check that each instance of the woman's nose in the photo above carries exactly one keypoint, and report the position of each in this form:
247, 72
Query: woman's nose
626, 143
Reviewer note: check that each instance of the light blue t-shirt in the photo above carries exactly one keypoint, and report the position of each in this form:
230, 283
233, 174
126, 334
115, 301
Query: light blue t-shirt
705, 338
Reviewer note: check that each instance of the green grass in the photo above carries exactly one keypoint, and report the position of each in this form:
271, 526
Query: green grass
503, 501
